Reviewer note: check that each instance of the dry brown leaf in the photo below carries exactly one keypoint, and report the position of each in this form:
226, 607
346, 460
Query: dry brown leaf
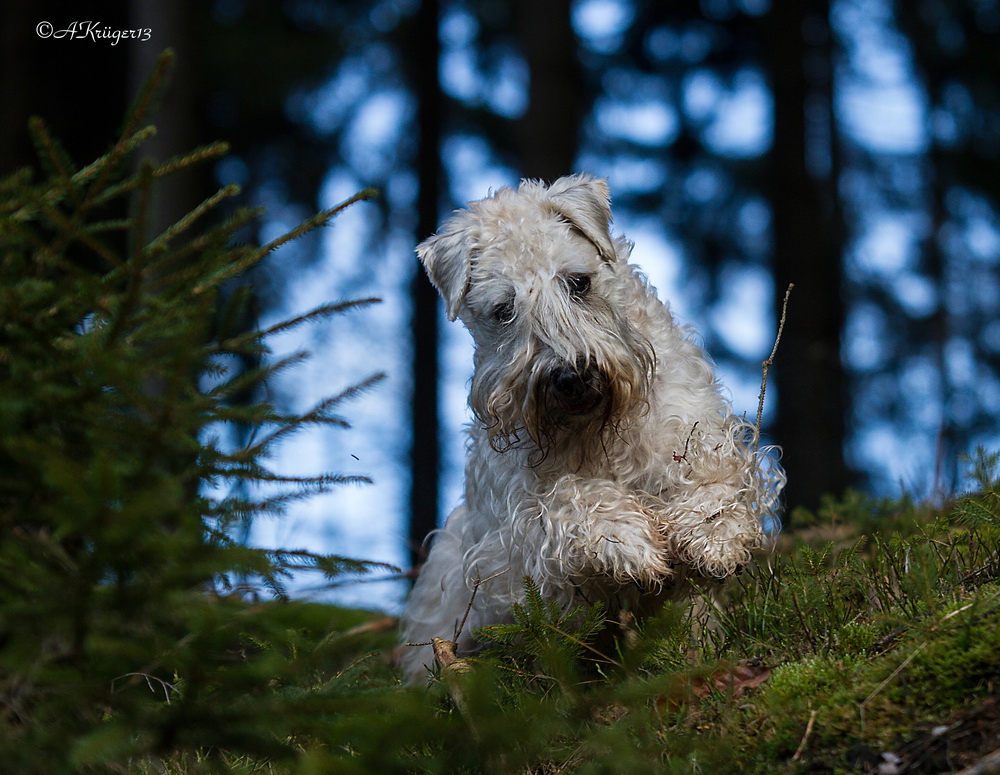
734, 680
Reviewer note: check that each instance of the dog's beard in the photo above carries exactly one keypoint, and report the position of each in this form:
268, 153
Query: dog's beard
517, 403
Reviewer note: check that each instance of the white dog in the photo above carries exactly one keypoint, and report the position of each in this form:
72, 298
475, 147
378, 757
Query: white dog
604, 462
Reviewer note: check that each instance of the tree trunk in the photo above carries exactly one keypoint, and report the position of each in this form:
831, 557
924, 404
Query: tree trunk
425, 451
176, 117
548, 134
810, 378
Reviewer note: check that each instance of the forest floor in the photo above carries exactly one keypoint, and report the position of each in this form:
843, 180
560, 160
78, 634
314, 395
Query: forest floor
868, 641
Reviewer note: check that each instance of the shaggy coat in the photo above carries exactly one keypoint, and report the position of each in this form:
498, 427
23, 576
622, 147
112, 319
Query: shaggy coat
604, 462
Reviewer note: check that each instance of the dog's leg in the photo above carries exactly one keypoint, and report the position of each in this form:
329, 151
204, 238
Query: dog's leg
712, 529
711, 514
584, 527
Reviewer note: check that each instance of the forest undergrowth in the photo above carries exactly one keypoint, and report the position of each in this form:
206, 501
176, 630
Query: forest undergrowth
137, 635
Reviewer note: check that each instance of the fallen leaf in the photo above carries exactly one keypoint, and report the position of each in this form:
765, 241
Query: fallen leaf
734, 680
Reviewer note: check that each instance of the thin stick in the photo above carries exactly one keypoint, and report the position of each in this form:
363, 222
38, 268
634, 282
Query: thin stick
767, 364
475, 588
885, 683
149, 682
805, 737
472, 598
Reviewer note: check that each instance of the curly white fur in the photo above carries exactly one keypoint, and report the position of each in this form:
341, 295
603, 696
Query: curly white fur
605, 464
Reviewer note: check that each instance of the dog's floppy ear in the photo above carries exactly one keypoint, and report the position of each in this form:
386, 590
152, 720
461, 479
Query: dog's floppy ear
447, 257
586, 203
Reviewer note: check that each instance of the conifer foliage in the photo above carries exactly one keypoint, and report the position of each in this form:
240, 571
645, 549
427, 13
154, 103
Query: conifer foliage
122, 633
128, 646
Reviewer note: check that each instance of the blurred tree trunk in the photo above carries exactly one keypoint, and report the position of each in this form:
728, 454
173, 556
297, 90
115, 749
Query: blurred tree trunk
809, 375
954, 51
424, 54
177, 118
548, 133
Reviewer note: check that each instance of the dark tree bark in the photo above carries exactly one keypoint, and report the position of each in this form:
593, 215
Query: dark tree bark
425, 455
548, 133
177, 119
810, 377
955, 48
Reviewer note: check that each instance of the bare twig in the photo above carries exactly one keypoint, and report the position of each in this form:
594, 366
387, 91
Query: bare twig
472, 598
957, 611
885, 683
377, 625
805, 737
683, 456
452, 666
468, 609
166, 686
767, 364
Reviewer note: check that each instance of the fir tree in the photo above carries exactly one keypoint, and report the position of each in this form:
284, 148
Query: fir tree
118, 487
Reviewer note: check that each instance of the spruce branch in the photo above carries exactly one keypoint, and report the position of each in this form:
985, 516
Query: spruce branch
135, 266
11, 188
319, 313
68, 229
117, 410
205, 153
238, 342
251, 377
53, 156
329, 564
108, 165
110, 225
256, 256
201, 154
149, 95
252, 470
160, 243
140, 215
318, 415
183, 273
131, 136
320, 219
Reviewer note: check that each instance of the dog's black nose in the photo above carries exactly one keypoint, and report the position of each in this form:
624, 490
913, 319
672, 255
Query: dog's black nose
576, 387
567, 382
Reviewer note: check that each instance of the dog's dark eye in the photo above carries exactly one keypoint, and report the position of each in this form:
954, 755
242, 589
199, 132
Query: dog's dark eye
503, 313
578, 284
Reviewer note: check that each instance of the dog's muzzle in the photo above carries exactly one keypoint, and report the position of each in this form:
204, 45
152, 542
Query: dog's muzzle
577, 388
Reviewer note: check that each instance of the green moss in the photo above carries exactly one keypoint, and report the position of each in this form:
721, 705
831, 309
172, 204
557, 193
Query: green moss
960, 658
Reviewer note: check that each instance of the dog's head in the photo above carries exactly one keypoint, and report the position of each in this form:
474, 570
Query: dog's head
537, 278
582, 201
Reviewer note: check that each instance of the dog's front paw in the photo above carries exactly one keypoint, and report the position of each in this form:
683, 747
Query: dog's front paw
716, 546
630, 551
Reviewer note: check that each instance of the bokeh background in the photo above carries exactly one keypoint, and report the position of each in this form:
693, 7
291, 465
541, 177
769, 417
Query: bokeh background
849, 146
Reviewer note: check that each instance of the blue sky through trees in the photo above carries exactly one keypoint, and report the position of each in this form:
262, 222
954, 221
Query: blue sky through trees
880, 110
